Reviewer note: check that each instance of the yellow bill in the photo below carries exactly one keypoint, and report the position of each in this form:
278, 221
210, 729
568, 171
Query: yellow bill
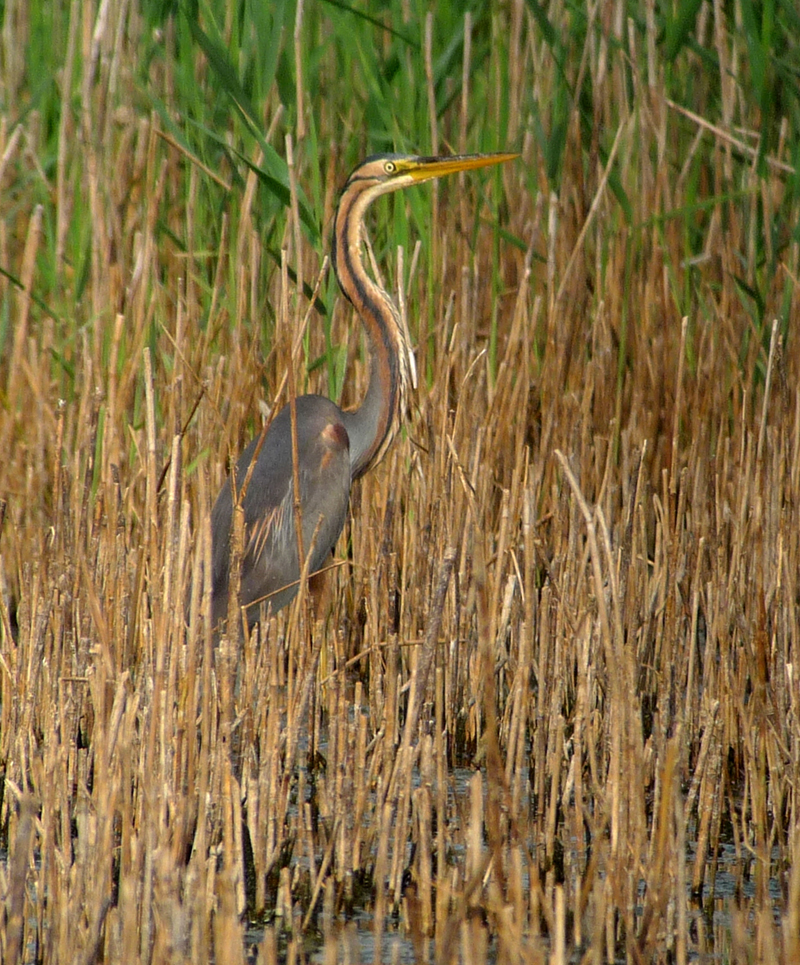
423, 168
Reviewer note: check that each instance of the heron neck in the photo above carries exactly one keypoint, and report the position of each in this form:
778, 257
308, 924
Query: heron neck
373, 424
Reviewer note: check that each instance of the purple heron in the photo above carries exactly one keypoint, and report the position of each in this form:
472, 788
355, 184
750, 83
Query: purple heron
334, 446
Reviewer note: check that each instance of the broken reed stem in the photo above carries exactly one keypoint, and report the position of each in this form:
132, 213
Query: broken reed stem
598, 197
419, 678
676, 415
774, 343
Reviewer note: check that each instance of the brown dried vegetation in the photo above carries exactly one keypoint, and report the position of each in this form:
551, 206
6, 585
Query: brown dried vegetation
576, 573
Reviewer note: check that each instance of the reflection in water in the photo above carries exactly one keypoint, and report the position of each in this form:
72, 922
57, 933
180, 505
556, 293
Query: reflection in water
731, 902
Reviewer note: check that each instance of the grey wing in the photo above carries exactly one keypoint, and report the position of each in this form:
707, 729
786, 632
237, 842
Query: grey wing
270, 569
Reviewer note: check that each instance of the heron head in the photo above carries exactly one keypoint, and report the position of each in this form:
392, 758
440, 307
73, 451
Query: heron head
394, 171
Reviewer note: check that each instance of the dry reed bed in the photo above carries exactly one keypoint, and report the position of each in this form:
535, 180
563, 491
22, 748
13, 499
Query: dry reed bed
578, 575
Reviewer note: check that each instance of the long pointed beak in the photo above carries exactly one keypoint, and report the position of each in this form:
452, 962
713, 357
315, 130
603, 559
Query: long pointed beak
424, 168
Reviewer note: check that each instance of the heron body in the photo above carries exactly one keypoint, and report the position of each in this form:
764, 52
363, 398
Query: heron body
334, 446
270, 561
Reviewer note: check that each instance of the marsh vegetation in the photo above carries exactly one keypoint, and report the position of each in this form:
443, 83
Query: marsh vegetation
550, 682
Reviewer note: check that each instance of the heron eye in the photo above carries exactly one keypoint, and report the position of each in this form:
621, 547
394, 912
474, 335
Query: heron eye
389, 167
